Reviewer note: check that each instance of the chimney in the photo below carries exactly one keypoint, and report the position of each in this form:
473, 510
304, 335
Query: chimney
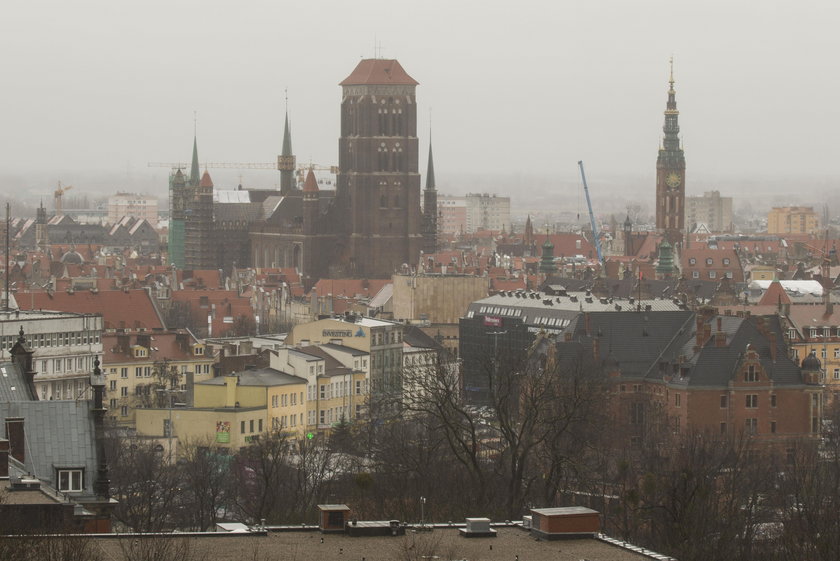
772, 339
720, 339
123, 342
4, 458
230, 390
15, 435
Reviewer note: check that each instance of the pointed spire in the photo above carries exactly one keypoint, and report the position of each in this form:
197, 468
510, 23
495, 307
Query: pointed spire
430, 170
311, 184
286, 160
287, 137
194, 169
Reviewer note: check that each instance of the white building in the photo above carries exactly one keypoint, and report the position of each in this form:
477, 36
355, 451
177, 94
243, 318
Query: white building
134, 205
64, 346
487, 212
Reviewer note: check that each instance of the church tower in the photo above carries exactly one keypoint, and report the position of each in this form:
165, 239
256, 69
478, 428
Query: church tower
199, 249
286, 162
430, 211
670, 174
378, 182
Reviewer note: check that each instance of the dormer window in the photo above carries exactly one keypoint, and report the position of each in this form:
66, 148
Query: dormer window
751, 375
70, 480
199, 350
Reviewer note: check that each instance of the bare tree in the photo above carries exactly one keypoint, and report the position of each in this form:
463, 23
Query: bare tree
145, 485
204, 475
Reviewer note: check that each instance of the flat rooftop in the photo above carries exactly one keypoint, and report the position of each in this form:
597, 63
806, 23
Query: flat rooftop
443, 544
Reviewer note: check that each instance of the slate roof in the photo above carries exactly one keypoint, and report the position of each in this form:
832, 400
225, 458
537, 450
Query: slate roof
642, 342
635, 339
59, 434
261, 377
13, 386
243, 212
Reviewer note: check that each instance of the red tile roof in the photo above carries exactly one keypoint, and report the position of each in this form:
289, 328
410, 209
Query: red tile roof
128, 309
205, 180
775, 294
378, 71
311, 184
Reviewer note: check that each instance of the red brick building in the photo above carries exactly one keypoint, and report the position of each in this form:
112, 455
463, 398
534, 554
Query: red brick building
706, 372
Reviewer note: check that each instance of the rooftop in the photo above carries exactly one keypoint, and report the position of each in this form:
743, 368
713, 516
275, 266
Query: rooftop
509, 544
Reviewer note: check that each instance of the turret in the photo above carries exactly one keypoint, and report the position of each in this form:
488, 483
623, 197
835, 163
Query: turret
311, 203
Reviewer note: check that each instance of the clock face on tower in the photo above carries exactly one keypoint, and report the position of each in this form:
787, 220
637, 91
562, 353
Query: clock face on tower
673, 180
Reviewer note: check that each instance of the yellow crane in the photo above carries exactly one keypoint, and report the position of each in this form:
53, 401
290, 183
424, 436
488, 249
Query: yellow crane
58, 194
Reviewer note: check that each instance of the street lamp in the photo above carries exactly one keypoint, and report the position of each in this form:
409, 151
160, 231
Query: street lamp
422, 511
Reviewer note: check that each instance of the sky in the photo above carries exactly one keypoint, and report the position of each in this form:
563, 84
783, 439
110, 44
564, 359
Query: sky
512, 89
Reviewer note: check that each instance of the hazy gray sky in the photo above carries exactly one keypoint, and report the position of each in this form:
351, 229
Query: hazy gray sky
107, 86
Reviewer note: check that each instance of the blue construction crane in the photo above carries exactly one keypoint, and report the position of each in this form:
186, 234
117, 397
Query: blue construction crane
595, 233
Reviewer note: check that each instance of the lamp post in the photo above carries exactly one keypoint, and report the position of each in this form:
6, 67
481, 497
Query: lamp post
422, 511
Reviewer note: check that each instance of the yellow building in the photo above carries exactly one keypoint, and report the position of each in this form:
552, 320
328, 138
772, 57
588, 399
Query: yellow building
137, 365
812, 328
230, 411
792, 220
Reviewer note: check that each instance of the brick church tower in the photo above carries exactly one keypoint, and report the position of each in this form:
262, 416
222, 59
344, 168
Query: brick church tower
670, 174
378, 181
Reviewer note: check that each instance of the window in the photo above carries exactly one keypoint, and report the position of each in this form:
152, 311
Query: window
70, 480
323, 417
837, 373
723, 428
124, 391
138, 371
773, 400
112, 385
274, 401
123, 372
259, 425
323, 392
695, 274
724, 401
751, 425
692, 261
773, 427
751, 375
637, 413
709, 261
836, 352
712, 274
242, 427
751, 401
251, 425
726, 260
678, 400
124, 411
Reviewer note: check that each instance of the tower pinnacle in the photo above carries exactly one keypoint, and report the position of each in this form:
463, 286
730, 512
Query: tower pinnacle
670, 172
195, 171
286, 160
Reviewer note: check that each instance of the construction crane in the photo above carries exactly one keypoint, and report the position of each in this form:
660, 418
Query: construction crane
58, 194
595, 234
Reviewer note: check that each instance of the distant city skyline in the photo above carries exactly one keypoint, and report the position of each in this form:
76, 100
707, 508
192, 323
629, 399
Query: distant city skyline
97, 89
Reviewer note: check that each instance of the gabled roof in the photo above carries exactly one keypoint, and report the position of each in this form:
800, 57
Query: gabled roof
774, 294
377, 71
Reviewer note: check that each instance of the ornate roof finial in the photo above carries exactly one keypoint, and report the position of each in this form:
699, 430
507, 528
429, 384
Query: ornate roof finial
21, 338
671, 78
